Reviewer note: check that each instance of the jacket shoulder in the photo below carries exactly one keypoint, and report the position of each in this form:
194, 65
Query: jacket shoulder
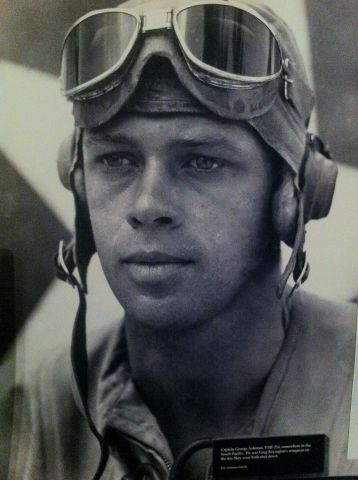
328, 324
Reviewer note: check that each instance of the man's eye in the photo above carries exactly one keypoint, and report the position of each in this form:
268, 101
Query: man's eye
121, 162
204, 164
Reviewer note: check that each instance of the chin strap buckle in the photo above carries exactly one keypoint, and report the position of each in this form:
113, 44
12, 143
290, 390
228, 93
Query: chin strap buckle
300, 272
65, 264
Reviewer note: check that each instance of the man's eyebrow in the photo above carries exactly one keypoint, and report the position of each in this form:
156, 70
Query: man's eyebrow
203, 141
94, 137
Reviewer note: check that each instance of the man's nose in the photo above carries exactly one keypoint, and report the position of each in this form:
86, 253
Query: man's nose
154, 204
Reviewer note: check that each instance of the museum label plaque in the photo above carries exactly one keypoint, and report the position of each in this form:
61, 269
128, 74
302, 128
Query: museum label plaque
270, 456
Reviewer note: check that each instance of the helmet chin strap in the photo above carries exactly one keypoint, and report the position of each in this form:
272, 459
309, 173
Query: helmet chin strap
297, 264
79, 362
66, 261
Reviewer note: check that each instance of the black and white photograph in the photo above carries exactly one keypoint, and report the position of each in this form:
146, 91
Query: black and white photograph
178, 239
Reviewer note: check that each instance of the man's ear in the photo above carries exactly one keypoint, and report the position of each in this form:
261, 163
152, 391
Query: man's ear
285, 209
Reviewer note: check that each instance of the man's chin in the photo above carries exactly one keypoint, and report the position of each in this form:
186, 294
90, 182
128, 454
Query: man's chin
162, 313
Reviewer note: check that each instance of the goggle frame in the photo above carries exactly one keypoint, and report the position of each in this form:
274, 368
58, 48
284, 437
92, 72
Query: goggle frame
166, 19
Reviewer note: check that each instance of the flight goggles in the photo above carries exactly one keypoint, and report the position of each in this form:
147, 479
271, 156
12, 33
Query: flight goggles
228, 45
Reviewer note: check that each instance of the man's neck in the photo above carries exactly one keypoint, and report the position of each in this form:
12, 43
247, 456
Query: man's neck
207, 381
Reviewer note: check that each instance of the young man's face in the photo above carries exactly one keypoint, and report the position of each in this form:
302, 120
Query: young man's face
180, 207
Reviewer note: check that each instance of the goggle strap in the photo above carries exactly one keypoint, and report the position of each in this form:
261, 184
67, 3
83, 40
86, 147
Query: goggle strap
299, 95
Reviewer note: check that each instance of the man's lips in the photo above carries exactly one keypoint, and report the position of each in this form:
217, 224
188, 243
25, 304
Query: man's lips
149, 268
155, 258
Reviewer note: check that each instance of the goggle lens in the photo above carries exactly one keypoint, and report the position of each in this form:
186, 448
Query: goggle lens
229, 39
96, 46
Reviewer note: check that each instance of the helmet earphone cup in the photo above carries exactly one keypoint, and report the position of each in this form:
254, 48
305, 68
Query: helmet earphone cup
69, 151
65, 159
319, 184
71, 173
317, 181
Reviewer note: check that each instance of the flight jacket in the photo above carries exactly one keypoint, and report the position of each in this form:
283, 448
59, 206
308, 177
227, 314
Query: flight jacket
308, 391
